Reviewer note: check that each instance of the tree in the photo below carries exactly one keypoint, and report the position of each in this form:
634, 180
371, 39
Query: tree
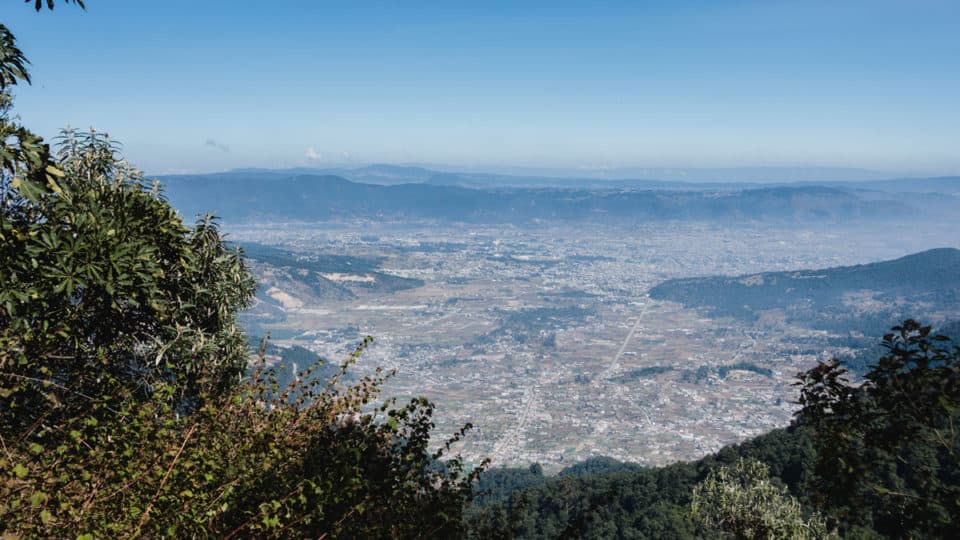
889, 446
742, 502
21, 151
104, 292
39, 4
127, 408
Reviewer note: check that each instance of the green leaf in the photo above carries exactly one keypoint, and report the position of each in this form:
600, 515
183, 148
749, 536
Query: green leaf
38, 498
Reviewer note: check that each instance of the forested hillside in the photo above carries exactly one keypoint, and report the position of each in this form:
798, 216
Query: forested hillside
602, 498
865, 298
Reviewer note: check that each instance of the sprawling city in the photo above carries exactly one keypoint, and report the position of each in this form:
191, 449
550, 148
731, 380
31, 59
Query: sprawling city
545, 338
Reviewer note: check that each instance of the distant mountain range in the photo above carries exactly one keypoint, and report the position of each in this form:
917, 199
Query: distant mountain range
617, 178
379, 192
866, 298
585, 176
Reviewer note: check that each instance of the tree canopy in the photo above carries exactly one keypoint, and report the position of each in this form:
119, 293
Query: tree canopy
104, 290
889, 447
741, 501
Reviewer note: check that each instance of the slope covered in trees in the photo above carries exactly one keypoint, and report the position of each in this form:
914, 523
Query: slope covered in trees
865, 298
602, 498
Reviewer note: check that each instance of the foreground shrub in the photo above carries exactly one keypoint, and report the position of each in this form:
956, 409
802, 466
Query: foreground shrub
317, 458
741, 501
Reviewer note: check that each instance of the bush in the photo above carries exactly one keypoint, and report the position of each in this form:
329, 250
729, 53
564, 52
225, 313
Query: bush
742, 502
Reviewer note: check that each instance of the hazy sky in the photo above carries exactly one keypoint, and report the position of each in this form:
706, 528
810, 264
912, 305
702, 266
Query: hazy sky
198, 85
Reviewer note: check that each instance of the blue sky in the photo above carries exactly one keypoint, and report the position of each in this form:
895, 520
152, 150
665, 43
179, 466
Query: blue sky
201, 85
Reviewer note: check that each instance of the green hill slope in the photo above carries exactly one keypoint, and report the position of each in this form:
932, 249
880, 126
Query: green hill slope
865, 298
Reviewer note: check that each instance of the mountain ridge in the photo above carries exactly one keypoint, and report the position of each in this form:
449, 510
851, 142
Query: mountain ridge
867, 298
303, 197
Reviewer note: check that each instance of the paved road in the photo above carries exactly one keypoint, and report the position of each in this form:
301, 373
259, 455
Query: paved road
615, 361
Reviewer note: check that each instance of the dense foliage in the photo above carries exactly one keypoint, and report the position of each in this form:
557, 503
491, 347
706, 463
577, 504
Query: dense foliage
313, 459
104, 292
603, 498
889, 448
742, 502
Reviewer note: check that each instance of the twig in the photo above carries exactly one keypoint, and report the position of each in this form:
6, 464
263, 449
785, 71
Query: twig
146, 513
234, 532
338, 523
57, 385
5, 451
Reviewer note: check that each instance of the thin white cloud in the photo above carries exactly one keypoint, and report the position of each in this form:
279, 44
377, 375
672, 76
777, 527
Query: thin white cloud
313, 155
